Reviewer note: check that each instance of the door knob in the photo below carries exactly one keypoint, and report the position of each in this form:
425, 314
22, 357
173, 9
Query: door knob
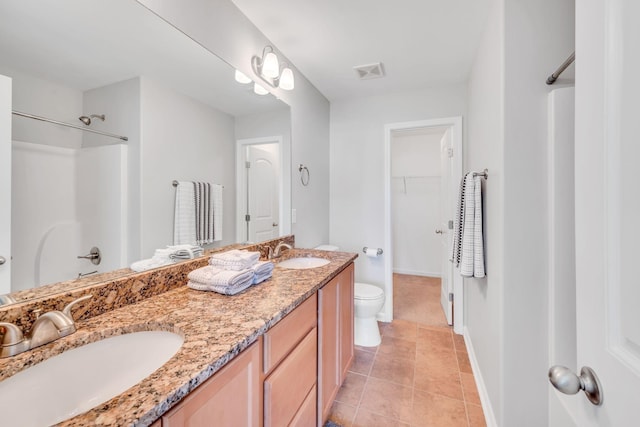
2, 260
438, 231
563, 379
275, 224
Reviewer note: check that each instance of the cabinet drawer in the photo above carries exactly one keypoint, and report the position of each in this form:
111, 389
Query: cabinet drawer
306, 415
283, 337
287, 387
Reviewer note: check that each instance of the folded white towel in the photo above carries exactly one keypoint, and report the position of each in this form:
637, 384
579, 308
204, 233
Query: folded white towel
478, 241
215, 279
234, 259
263, 271
184, 226
211, 275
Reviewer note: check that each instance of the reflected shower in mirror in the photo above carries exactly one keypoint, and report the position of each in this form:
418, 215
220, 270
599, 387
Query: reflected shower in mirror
118, 68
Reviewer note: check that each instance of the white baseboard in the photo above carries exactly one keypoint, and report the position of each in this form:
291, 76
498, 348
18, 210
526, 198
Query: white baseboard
416, 272
489, 415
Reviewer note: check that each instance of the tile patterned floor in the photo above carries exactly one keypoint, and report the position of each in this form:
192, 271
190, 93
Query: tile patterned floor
419, 375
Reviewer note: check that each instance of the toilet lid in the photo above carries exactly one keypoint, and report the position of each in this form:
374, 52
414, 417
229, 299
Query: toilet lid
367, 291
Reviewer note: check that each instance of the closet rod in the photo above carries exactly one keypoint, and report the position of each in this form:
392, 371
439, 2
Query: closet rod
44, 119
553, 77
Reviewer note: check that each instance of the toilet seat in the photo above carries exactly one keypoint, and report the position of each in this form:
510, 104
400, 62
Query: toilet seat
364, 291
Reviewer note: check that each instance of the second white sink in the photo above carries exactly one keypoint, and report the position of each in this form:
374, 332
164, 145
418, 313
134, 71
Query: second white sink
80, 379
301, 263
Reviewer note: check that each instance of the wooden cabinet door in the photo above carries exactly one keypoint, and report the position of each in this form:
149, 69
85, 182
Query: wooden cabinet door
232, 397
335, 338
328, 348
346, 320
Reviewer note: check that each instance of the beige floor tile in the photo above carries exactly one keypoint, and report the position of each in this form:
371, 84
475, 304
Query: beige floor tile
458, 341
463, 362
362, 362
397, 347
366, 418
439, 381
476, 416
436, 357
393, 369
352, 388
435, 337
437, 411
469, 388
387, 399
403, 329
342, 414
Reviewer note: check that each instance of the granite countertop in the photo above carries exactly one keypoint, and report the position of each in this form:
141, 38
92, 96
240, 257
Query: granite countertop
215, 329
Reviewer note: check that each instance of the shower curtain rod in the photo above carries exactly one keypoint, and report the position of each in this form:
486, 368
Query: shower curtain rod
553, 77
44, 119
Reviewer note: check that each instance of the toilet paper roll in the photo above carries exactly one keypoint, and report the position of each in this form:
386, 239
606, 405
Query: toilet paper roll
372, 252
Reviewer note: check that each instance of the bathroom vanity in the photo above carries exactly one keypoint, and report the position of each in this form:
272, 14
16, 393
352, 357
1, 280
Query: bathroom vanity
273, 355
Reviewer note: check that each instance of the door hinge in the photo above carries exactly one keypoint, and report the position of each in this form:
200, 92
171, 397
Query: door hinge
247, 165
450, 224
247, 217
450, 296
450, 152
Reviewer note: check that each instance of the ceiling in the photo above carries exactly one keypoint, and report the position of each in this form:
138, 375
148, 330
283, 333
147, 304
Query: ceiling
421, 43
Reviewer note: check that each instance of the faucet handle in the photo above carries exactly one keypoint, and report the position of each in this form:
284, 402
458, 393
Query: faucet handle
10, 334
67, 310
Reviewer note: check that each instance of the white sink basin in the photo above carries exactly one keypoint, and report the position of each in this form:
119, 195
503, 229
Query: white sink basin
77, 380
303, 263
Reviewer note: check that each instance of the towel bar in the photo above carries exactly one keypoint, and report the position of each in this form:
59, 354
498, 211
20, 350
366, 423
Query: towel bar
484, 174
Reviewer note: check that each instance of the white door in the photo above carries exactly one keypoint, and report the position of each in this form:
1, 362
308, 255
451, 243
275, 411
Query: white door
446, 214
5, 185
263, 194
607, 150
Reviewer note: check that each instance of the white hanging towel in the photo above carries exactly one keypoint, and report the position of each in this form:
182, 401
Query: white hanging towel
216, 195
184, 221
468, 246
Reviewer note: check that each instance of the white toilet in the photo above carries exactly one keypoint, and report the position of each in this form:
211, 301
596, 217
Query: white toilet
368, 301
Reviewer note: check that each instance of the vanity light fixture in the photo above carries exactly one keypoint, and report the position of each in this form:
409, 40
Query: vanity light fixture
269, 70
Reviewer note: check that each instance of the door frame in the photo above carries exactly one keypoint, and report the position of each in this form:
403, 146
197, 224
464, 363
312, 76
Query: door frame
5, 183
455, 124
284, 183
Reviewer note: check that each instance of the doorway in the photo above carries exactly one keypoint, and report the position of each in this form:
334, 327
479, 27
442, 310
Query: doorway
423, 164
259, 188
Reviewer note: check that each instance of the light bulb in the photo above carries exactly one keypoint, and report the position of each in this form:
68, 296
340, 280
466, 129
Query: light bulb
270, 66
286, 79
242, 78
259, 89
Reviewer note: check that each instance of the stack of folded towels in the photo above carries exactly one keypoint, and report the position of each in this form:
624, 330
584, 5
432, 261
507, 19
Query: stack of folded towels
231, 272
168, 255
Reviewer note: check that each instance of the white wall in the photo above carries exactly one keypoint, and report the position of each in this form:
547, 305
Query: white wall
483, 148
184, 140
40, 97
506, 313
357, 165
120, 103
223, 29
415, 199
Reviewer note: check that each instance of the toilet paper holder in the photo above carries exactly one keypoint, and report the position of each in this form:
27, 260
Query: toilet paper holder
366, 248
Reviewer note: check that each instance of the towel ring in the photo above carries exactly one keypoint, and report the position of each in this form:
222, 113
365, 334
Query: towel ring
302, 169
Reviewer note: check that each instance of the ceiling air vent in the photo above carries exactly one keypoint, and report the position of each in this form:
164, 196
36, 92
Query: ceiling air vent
369, 71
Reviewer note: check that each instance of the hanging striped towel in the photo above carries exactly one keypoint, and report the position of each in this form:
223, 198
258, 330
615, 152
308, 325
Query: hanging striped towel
184, 221
468, 245
204, 213
216, 196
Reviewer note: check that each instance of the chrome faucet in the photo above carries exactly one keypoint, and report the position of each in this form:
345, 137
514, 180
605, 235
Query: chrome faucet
277, 252
47, 328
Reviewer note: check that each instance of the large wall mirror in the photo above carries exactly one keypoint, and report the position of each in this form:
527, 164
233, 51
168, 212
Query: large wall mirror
114, 66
